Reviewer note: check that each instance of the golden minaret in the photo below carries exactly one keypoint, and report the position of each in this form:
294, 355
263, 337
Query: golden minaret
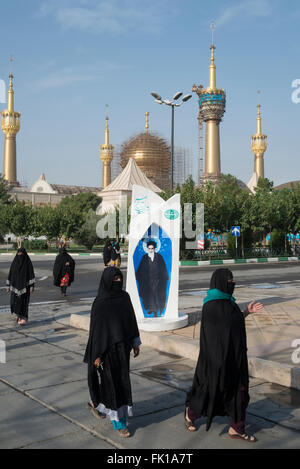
147, 122
212, 103
259, 146
10, 125
106, 155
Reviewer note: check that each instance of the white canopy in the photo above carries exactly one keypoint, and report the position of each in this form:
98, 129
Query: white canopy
130, 175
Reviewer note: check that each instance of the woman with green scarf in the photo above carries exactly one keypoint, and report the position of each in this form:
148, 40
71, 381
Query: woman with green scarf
221, 380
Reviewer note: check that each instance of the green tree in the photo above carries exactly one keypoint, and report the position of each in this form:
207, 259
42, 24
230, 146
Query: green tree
87, 233
211, 207
265, 211
81, 202
20, 218
4, 202
229, 195
72, 211
4, 192
289, 206
4, 220
47, 222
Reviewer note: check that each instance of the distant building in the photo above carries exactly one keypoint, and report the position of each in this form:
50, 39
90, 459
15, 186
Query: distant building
286, 185
44, 193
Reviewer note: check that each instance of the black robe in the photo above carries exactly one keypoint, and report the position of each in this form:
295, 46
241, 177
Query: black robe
20, 280
152, 277
115, 252
113, 327
60, 268
222, 367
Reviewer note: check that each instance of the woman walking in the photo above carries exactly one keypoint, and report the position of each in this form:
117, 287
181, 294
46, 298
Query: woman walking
107, 253
116, 255
113, 334
20, 283
221, 380
63, 270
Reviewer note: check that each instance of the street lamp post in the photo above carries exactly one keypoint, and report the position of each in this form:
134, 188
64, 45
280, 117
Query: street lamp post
159, 100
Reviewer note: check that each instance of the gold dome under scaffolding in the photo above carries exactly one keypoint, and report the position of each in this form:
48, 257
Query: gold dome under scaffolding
152, 155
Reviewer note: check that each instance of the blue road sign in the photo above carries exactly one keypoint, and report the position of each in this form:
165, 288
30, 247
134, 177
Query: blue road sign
236, 231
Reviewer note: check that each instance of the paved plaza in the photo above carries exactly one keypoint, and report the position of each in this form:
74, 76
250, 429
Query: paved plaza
43, 385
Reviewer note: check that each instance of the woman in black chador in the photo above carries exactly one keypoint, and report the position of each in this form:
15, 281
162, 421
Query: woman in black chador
107, 253
63, 270
152, 277
113, 334
221, 381
20, 283
116, 255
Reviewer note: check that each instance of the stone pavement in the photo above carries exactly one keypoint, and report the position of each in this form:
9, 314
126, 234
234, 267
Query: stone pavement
273, 335
43, 386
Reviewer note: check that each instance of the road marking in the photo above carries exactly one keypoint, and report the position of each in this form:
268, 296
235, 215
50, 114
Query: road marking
43, 278
47, 302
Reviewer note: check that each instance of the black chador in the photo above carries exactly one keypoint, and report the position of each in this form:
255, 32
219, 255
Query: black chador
152, 277
222, 367
113, 334
107, 250
20, 281
63, 270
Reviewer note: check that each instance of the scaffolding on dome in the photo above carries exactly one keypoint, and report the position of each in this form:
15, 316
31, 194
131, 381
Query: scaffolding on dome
183, 165
116, 168
153, 156
200, 152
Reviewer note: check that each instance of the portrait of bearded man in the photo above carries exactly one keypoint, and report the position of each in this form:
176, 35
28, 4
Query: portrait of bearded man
152, 277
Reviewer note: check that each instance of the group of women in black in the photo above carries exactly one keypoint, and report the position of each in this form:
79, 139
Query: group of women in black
21, 280
221, 382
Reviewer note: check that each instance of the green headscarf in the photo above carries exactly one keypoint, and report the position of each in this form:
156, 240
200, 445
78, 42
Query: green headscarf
215, 294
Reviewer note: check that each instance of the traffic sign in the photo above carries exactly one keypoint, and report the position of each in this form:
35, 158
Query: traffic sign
200, 244
236, 231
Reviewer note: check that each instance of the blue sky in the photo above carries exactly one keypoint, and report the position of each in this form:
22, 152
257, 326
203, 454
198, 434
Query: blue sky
71, 57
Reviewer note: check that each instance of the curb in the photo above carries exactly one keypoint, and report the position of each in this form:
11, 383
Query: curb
54, 254
273, 372
257, 260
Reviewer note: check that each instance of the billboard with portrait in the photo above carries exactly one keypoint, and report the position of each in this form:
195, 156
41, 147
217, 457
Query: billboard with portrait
153, 269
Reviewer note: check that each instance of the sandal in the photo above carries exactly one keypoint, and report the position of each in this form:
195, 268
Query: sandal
124, 433
95, 412
189, 424
244, 436
21, 322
